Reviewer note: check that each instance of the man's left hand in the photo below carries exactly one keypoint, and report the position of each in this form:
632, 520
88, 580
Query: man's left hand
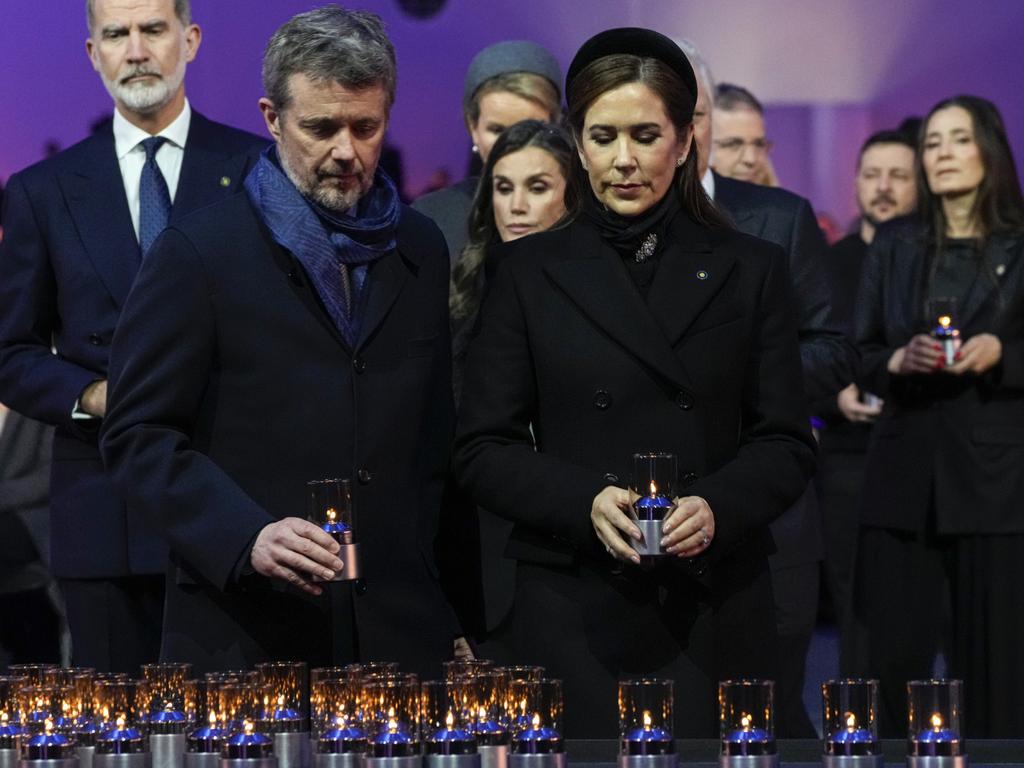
978, 354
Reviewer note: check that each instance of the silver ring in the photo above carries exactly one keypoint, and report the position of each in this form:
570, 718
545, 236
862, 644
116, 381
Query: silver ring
610, 552
706, 540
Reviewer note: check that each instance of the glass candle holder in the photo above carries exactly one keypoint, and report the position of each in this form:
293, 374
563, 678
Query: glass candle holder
488, 697
392, 706
330, 506
378, 669
10, 697
67, 675
446, 718
39, 704
942, 315
935, 718
645, 717
537, 727
36, 674
746, 717
337, 716
849, 712
524, 672
284, 686
653, 488
47, 744
238, 701
247, 743
172, 697
465, 667
123, 710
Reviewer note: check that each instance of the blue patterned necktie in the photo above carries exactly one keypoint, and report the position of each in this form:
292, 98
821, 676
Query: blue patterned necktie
154, 199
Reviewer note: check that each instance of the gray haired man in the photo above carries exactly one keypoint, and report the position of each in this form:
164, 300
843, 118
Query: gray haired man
295, 332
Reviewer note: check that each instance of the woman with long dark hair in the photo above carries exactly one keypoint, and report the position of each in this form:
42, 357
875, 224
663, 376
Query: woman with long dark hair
940, 324
645, 324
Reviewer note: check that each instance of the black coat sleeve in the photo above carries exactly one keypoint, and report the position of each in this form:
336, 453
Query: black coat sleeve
161, 361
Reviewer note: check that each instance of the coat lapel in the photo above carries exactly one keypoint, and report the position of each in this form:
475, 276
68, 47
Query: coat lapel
688, 277
387, 277
600, 287
1002, 254
94, 193
209, 171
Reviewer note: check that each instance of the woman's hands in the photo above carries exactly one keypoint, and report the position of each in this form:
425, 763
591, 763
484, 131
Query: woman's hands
688, 530
923, 354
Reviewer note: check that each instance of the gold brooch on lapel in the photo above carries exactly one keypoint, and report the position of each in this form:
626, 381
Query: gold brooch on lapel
225, 181
702, 274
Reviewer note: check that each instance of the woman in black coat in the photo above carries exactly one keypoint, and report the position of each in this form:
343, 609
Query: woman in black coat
942, 538
644, 325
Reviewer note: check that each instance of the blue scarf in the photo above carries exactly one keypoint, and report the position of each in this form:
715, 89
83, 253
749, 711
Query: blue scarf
335, 250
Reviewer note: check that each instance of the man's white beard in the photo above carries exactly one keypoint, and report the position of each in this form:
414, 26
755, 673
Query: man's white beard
145, 97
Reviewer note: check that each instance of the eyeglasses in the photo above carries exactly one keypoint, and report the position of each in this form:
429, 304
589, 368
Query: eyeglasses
735, 146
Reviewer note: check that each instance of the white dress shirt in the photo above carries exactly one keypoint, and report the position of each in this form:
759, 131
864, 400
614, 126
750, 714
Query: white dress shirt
131, 156
708, 182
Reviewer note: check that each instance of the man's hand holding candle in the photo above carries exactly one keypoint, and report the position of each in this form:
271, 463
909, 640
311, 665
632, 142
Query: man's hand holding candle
922, 354
292, 549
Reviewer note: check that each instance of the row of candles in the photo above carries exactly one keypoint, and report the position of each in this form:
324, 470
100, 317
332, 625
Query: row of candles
376, 711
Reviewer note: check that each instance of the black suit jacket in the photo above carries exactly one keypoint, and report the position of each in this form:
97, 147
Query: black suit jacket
24, 491
952, 442
67, 261
706, 368
231, 389
826, 354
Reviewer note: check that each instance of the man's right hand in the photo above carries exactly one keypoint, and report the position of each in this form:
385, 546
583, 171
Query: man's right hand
922, 354
849, 404
293, 550
94, 399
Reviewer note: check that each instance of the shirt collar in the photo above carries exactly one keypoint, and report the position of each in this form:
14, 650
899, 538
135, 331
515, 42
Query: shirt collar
708, 182
128, 136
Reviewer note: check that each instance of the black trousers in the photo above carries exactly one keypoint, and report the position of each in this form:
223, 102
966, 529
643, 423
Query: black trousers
796, 609
115, 623
30, 628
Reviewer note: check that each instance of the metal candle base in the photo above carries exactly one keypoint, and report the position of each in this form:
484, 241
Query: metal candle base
544, 760
409, 761
650, 542
648, 761
9, 758
451, 761
202, 760
945, 761
128, 760
748, 761
852, 761
64, 762
493, 757
85, 756
249, 762
338, 760
349, 555
292, 750
167, 750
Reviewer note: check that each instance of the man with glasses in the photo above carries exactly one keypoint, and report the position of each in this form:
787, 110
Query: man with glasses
740, 148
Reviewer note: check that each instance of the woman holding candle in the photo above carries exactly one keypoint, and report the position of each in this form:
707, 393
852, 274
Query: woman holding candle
645, 324
941, 513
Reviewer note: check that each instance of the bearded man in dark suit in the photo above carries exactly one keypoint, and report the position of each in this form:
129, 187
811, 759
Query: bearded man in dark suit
77, 227
293, 332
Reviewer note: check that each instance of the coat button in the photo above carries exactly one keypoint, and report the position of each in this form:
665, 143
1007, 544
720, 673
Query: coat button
360, 586
602, 399
684, 400
364, 476
688, 479
95, 339
611, 477
359, 364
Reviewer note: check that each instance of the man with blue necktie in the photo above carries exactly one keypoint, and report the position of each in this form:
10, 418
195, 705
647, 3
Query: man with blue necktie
77, 227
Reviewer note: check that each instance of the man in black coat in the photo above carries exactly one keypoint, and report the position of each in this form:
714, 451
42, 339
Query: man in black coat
76, 226
827, 358
295, 332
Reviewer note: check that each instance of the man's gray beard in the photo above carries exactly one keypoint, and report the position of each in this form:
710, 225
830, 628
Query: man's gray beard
331, 199
145, 98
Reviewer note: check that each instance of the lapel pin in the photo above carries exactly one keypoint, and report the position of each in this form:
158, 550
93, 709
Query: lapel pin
702, 274
225, 181
1000, 269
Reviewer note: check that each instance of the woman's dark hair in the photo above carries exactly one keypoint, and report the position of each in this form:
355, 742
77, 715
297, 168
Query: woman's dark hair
610, 72
483, 232
999, 205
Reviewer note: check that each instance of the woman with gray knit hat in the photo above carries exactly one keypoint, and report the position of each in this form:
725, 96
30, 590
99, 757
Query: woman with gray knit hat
507, 82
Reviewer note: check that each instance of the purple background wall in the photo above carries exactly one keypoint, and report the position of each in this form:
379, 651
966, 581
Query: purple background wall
830, 71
